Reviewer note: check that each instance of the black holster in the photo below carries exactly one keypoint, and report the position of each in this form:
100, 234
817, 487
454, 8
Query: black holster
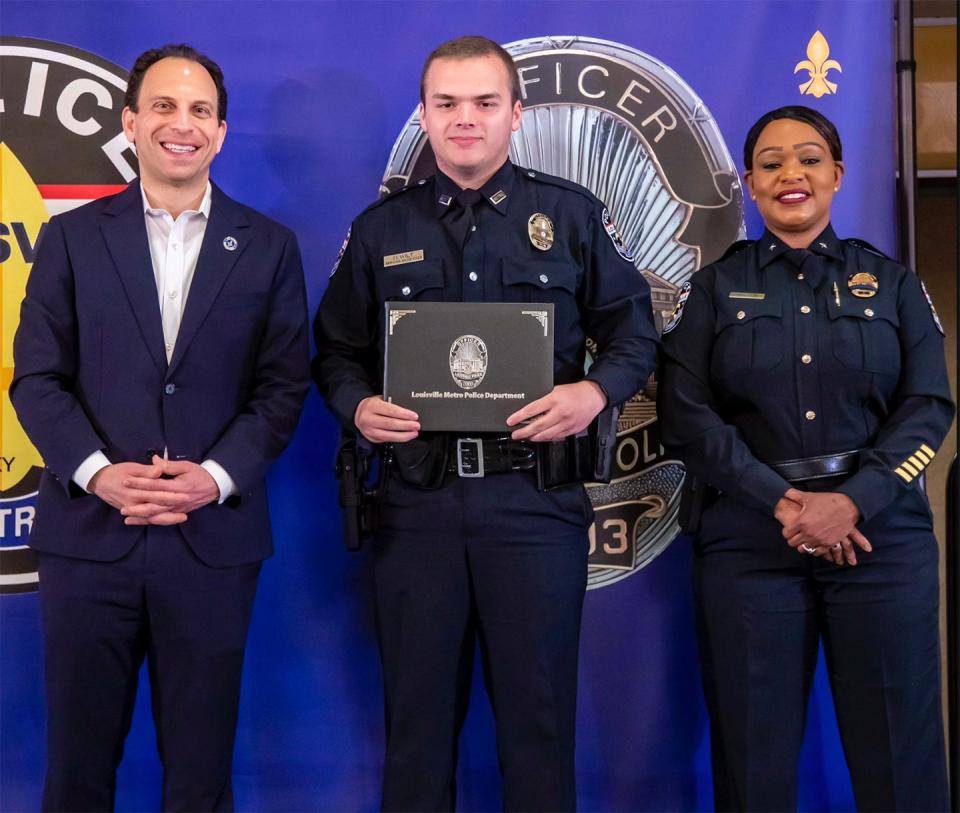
422, 462
586, 458
694, 499
358, 500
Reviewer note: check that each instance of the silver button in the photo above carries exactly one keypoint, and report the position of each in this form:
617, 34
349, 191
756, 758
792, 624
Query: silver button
172, 294
809, 414
544, 279
532, 174
741, 314
473, 228
473, 276
421, 182
799, 276
169, 348
804, 309
806, 358
405, 290
170, 389
868, 311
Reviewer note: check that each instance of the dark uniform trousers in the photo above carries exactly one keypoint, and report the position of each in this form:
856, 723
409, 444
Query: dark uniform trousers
489, 559
762, 611
451, 568
97, 612
778, 354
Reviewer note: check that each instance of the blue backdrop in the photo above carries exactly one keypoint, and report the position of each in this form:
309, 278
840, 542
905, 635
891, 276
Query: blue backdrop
318, 94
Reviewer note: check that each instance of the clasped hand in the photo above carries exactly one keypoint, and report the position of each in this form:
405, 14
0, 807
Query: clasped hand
161, 493
824, 521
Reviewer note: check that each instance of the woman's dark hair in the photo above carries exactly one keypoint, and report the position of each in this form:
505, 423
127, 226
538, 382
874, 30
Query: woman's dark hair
182, 51
817, 121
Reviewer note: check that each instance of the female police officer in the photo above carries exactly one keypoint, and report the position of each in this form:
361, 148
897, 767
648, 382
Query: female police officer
804, 382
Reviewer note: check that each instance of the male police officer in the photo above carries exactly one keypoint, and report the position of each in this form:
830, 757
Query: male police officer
488, 557
157, 415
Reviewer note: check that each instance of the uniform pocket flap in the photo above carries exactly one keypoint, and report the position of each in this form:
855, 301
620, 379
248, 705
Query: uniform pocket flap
407, 281
868, 309
741, 311
539, 274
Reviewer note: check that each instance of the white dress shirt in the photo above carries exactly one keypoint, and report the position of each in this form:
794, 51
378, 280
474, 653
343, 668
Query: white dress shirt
174, 249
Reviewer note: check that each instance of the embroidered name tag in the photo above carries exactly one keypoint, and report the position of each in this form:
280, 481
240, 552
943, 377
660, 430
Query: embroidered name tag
746, 295
403, 258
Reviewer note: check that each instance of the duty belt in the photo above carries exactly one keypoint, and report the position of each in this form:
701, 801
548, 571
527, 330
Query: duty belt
478, 457
816, 468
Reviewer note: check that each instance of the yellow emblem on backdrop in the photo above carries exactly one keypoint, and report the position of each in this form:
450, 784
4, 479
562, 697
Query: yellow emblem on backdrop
817, 65
20, 203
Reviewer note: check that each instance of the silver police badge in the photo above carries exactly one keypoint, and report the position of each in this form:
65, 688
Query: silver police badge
468, 361
540, 230
629, 129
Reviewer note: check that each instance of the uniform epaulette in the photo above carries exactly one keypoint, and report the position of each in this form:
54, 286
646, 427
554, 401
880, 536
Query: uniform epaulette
736, 248
858, 243
563, 183
390, 195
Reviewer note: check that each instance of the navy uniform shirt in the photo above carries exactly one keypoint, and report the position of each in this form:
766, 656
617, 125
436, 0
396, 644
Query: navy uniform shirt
403, 247
767, 360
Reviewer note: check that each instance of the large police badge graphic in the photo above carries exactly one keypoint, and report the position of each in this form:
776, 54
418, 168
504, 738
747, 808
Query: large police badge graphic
61, 145
468, 361
627, 127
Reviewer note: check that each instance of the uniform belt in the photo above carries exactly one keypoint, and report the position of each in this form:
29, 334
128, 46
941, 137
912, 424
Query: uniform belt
815, 468
478, 457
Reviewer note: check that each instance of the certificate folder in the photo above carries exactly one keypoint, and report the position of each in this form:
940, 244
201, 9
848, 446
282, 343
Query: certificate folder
466, 366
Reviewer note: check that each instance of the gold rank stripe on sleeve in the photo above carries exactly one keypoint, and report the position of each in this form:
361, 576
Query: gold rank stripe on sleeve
916, 463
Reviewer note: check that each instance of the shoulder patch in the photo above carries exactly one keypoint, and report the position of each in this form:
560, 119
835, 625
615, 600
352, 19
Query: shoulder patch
736, 248
933, 310
677, 314
863, 244
343, 250
611, 229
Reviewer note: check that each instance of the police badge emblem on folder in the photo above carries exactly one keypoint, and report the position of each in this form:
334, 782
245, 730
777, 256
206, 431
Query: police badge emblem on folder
467, 366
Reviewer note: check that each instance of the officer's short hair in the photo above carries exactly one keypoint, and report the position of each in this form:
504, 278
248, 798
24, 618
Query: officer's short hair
467, 48
797, 112
179, 51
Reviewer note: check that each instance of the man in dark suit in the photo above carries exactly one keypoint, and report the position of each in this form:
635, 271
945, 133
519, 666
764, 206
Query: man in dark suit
160, 367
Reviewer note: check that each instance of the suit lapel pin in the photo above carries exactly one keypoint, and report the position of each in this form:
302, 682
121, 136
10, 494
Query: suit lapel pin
230, 243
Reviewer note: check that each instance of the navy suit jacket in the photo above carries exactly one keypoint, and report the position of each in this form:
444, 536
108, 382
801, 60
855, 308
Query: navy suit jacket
91, 372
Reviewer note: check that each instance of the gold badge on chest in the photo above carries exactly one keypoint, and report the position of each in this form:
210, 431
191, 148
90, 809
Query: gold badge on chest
863, 284
540, 229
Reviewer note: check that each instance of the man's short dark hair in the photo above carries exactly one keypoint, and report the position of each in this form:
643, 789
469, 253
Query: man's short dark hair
795, 112
181, 51
467, 48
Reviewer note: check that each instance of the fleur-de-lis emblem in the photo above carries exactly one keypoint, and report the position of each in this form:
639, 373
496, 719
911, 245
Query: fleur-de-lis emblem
818, 66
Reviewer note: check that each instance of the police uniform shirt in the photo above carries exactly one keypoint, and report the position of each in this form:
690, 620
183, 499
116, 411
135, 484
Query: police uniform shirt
403, 248
768, 361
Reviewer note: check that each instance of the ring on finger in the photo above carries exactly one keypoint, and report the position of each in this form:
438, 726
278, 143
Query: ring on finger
806, 548
836, 546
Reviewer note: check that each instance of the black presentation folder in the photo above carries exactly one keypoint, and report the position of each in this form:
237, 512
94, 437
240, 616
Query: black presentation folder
467, 366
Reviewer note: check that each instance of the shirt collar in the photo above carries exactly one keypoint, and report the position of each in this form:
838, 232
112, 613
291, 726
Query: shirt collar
496, 191
770, 247
203, 209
